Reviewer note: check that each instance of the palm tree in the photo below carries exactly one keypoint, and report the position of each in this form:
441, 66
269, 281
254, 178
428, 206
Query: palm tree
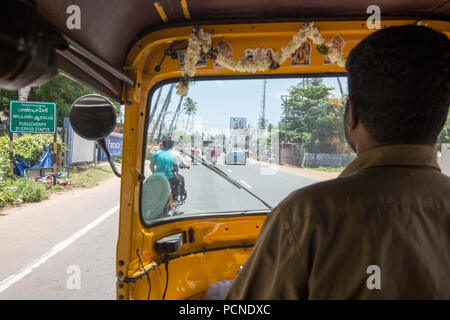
173, 124
161, 113
190, 108
152, 114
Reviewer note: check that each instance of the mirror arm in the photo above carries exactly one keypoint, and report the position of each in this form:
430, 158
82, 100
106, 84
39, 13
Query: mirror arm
102, 144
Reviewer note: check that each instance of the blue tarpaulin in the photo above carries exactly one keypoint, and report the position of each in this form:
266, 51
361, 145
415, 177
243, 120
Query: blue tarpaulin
45, 161
20, 167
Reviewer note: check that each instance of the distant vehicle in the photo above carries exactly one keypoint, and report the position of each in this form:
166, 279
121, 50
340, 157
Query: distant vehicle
235, 156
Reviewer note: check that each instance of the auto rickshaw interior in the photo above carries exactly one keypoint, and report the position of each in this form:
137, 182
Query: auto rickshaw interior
255, 112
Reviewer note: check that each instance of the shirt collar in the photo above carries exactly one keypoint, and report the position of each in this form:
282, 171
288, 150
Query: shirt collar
403, 155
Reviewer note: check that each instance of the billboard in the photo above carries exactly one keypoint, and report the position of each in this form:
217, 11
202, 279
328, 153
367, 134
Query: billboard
114, 144
238, 123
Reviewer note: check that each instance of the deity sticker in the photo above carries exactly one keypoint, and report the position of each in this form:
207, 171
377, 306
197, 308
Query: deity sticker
225, 49
302, 56
269, 53
259, 53
336, 42
182, 53
249, 55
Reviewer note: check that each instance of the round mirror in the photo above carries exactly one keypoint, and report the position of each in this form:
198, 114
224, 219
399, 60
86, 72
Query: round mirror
92, 117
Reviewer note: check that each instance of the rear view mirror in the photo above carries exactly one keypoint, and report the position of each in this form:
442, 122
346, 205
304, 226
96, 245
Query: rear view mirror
27, 55
93, 117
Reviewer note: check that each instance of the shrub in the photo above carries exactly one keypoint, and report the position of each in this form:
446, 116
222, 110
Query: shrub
15, 191
8, 194
27, 146
30, 191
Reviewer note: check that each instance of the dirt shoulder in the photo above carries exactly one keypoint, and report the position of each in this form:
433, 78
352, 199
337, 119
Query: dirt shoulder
82, 179
312, 172
307, 171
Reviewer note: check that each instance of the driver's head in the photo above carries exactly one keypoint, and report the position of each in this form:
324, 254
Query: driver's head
398, 82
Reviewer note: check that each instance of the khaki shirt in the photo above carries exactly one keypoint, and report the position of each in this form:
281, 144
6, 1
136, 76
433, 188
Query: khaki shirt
389, 209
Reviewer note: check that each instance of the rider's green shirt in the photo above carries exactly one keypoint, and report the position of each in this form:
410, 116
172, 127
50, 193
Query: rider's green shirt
165, 160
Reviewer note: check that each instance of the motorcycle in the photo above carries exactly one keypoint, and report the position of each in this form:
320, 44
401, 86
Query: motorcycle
180, 194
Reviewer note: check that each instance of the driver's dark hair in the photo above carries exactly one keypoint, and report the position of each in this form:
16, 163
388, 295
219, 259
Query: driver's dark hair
398, 79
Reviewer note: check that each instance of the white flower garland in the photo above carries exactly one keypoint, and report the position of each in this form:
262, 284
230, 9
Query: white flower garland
200, 40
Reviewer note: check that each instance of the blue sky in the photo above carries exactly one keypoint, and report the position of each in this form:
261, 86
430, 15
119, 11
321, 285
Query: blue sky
218, 100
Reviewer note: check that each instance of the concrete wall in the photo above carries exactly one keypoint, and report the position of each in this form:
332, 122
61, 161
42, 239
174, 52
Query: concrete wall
444, 160
332, 160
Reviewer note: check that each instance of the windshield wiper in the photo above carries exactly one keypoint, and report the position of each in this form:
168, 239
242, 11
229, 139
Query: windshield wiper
227, 177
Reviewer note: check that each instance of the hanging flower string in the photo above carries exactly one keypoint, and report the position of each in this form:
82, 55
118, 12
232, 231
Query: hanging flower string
201, 41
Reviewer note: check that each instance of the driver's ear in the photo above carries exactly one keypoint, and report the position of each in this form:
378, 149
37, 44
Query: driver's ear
352, 114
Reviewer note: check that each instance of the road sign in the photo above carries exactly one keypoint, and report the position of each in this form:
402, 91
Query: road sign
32, 117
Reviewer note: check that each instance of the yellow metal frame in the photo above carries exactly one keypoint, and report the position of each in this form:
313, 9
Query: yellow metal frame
232, 236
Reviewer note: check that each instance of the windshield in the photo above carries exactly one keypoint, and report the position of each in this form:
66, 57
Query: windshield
241, 145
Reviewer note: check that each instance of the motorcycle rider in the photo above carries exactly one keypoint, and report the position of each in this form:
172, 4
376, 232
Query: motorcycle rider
165, 162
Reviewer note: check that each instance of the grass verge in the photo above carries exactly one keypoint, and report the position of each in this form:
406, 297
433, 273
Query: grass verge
87, 177
326, 169
19, 190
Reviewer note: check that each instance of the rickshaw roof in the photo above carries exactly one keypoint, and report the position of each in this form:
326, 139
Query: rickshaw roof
110, 28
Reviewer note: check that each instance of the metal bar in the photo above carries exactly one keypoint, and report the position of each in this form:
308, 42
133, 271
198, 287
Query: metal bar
185, 9
161, 12
92, 57
11, 154
55, 152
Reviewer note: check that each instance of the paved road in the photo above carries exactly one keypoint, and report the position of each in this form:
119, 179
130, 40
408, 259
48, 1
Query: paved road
44, 246
64, 248
208, 192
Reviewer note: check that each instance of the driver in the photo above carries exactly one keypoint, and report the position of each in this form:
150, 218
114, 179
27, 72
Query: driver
382, 229
165, 162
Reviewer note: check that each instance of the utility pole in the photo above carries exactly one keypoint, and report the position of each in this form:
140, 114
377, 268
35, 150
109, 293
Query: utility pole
285, 98
262, 119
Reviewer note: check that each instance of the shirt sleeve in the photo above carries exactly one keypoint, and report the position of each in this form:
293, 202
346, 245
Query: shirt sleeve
154, 157
175, 160
273, 269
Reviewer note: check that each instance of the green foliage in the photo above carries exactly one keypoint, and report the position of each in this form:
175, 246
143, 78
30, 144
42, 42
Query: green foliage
7, 193
444, 136
30, 191
4, 155
90, 176
27, 146
60, 89
190, 108
5, 96
16, 191
311, 119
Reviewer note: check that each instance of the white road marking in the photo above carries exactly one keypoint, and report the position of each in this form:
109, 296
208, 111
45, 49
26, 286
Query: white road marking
229, 170
245, 184
53, 251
